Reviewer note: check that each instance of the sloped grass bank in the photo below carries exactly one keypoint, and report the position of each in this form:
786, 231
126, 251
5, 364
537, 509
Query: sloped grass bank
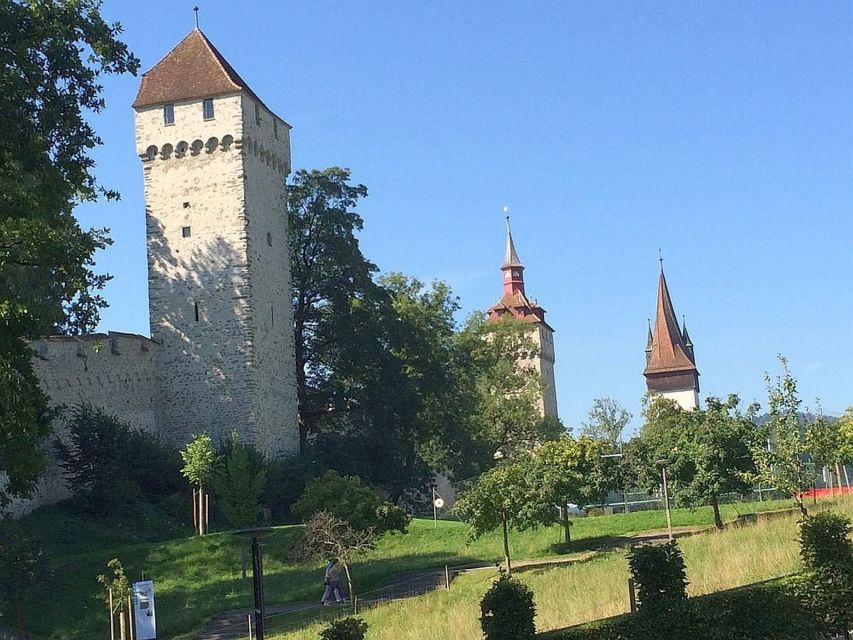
591, 590
196, 578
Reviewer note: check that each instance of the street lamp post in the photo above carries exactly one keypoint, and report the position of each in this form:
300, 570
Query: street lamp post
255, 534
662, 464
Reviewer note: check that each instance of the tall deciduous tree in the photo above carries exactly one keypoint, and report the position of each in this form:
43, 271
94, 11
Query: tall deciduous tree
606, 421
505, 497
52, 56
781, 450
571, 470
708, 451
329, 275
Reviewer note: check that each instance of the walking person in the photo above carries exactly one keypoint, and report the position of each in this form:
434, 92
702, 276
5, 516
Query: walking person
331, 580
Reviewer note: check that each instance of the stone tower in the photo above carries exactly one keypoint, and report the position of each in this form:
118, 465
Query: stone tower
670, 362
514, 301
215, 159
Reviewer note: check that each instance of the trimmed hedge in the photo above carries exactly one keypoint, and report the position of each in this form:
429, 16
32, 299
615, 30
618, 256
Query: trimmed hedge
766, 611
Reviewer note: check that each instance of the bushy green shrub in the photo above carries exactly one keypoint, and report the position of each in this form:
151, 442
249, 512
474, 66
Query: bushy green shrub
346, 629
659, 576
347, 498
507, 611
108, 465
826, 586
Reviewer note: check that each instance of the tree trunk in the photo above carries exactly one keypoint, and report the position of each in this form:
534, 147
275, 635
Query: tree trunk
201, 527
22, 627
846, 478
122, 627
301, 391
349, 582
506, 543
567, 526
718, 521
195, 510
840, 481
802, 506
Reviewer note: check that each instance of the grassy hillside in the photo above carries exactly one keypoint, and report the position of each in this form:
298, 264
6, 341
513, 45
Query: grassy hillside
198, 577
580, 592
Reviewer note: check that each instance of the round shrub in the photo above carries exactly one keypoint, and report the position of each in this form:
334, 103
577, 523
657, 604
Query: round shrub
346, 629
659, 576
508, 611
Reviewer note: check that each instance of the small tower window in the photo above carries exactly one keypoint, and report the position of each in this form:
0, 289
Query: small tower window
257, 114
207, 108
168, 114
269, 238
186, 232
195, 311
275, 128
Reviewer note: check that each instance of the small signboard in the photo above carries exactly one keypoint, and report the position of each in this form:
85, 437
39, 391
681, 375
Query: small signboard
143, 610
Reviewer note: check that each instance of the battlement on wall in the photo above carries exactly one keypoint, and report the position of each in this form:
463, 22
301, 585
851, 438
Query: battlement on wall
113, 371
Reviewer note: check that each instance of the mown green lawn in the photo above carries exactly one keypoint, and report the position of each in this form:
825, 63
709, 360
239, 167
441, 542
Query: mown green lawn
196, 578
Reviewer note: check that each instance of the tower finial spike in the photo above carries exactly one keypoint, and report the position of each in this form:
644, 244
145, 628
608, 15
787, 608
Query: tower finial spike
195, 10
660, 259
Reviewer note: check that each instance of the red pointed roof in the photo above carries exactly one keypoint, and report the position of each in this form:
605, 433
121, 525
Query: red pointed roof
193, 69
668, 352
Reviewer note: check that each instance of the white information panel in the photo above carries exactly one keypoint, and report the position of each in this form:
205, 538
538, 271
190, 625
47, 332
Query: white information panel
143, 610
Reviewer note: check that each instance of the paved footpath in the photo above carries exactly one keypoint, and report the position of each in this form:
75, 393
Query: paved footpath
233, 625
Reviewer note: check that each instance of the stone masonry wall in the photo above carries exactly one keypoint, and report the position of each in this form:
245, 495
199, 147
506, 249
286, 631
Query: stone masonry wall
266, 157
113, 371
197, 267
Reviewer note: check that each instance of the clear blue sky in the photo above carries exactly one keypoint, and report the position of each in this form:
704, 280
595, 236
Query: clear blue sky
720, 132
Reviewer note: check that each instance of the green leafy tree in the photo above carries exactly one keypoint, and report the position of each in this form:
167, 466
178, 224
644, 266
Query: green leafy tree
505, 497
328, 272
200, 459
347, 498
708, 451
509, 391
107, 465
781, 451
238, 488
825, 446
52, 56
115, 592
327, 537
571, 470
23, 568
606, 421
845, 441
507, 610
96, 461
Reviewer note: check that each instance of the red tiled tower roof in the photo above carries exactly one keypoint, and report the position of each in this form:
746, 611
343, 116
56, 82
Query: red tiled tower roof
514, 299
670, 363
194, 69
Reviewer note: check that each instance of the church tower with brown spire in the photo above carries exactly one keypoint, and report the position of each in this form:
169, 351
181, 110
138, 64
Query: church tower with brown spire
516, 303
670, 361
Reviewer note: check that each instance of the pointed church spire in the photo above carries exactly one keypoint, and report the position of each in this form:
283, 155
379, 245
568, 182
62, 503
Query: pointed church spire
649, 341
670, 365
668, 353
512, 268
511, 258
685, 338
